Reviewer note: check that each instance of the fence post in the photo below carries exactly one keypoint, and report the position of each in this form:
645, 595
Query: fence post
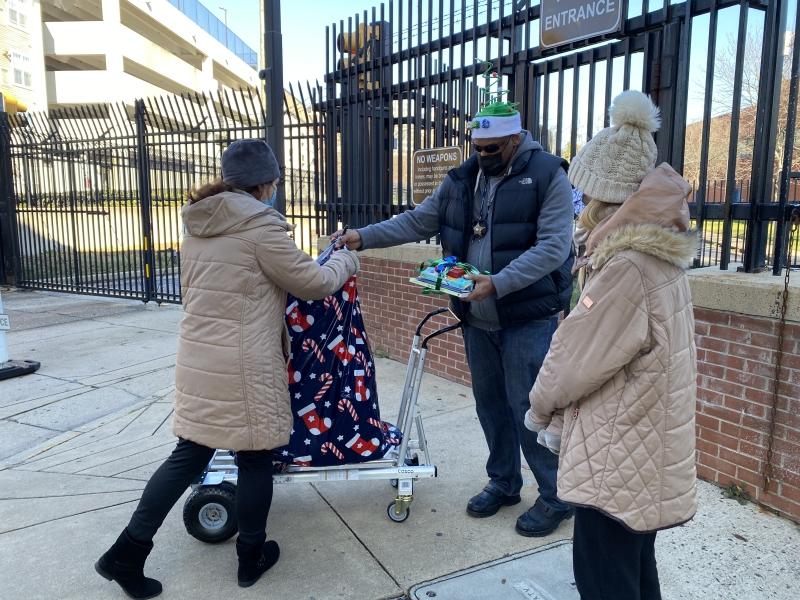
331, 158
273, 57
781, 248
145, 203
769, 96
9, 255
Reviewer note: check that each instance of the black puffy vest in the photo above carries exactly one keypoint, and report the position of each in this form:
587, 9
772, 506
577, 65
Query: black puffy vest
514, 223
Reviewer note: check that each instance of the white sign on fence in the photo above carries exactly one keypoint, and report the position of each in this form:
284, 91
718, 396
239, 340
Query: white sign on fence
5, 323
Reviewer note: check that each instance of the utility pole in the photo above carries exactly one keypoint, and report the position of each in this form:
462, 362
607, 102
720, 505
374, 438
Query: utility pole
273, 85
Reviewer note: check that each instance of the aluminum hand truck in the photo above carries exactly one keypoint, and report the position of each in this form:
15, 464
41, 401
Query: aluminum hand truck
209, 513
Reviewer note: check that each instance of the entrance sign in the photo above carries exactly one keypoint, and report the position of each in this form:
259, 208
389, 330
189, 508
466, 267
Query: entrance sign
430, 168
565, 21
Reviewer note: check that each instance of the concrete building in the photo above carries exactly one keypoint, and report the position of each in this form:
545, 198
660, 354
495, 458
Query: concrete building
107, 50
22, 80
98, 51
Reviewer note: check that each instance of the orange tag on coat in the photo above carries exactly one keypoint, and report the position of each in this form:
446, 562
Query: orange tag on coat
587, 302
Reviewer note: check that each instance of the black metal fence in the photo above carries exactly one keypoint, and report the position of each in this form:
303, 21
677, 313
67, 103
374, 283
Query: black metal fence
90, 197
407, 76
93, 195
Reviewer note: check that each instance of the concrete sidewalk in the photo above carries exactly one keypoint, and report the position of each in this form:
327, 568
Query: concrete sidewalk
79, 439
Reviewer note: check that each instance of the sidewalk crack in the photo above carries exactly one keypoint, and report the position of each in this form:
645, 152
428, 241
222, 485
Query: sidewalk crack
358, 538
83, 512
71, 495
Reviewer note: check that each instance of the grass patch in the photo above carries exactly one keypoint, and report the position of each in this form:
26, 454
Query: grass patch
734, 491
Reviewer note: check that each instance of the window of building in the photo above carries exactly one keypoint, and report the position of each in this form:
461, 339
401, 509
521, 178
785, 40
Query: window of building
18, 13
21, 66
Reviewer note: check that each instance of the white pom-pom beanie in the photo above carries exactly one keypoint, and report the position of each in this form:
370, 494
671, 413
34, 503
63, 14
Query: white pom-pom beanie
613, 163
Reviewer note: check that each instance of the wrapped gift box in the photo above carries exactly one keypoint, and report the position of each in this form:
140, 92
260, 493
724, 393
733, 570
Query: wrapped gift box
447, 276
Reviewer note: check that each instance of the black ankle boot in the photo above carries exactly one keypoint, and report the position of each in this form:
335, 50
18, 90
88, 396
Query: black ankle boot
124, 563
255, 561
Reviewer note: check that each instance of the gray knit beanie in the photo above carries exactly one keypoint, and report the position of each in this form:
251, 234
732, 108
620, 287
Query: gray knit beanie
248, 163
613, 163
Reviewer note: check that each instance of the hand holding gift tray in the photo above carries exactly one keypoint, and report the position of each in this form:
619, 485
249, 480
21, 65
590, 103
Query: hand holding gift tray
446, 276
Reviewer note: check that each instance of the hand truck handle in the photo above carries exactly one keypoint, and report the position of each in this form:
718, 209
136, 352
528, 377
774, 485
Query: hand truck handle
430, 315
439, 332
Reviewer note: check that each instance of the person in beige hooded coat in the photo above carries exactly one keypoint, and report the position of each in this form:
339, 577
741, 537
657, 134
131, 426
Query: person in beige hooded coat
616, 394
231, 381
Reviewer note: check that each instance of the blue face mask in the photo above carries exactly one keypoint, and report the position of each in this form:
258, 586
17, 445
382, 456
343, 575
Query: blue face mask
271, 200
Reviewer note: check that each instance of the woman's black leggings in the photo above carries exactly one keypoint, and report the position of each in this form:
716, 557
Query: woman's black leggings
184, 465
611, 562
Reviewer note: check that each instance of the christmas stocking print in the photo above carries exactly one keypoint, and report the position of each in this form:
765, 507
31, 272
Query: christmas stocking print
349, 290
341, 350
363, 447
313, 422
361, 390
296, 319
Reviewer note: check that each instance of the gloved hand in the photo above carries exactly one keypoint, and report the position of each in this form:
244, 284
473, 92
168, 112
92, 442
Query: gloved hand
532, 425
549, 440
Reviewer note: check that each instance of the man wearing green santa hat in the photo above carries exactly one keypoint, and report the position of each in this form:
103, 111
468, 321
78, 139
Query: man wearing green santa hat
508, 211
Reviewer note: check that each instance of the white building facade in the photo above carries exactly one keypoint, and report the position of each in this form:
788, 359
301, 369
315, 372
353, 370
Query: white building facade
22, 80
101, 51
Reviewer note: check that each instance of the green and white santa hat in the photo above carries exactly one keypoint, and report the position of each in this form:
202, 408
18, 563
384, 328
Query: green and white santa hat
496, 120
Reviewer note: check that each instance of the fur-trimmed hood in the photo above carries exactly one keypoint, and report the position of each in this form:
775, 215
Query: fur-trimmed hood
654, 221
677, 248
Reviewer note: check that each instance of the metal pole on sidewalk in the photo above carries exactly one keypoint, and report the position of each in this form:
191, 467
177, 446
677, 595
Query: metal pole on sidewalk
11, 368
273, 84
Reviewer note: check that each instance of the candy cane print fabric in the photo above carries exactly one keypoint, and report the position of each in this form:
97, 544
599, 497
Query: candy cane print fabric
332, 384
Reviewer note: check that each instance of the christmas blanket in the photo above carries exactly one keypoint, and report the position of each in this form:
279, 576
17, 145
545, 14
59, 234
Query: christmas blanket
332, 383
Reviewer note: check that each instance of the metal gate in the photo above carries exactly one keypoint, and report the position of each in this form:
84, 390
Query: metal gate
407, 76
93, 194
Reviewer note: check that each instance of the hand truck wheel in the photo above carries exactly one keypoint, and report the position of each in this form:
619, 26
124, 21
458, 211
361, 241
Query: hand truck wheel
209, 513
392, 513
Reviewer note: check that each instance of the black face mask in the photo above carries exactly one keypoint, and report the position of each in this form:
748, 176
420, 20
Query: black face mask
493, 164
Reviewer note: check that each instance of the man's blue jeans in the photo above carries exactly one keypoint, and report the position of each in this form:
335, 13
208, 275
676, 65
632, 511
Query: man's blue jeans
504, 365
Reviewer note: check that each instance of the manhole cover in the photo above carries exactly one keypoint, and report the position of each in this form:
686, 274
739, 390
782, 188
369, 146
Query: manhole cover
541, 574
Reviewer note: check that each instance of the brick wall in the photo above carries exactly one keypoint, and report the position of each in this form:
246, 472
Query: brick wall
393, 308
736, 358
736, 368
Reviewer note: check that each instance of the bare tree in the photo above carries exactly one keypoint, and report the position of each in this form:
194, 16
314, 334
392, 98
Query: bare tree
722, 102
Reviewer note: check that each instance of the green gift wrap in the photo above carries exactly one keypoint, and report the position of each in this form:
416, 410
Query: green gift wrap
447, 276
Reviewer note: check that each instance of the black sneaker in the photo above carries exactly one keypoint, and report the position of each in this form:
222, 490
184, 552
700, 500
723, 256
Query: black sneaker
540, 520
488, 502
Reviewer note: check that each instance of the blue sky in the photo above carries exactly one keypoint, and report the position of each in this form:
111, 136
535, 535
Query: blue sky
304, 23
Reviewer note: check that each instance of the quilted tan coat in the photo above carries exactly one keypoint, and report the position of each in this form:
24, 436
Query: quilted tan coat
237, 263
623, 365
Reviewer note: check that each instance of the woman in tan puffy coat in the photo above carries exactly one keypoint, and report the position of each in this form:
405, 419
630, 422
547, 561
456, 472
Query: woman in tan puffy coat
231, 382
616, 393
